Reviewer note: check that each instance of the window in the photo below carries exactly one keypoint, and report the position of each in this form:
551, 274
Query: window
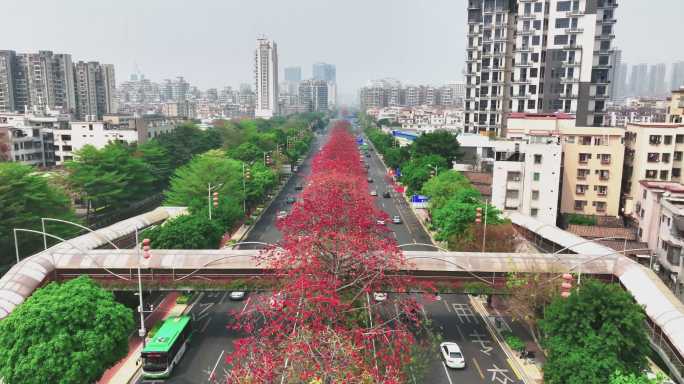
667, 139
651, 174
582, 174
602, 190
563, 23
581, 189
66, 137
535, 176
535, 40
604, 175
536, 25
535, 195
560, 39
563, 6
676, 172
678, 156
666, 157
600, 206
537, 159
513, 176
643, 196
538, 6
663, 175
512, 194
605, 158
570, 139
533, 72
653, 157
654, 139
586, 140
534, 212
584, 157
579, 205
679, 139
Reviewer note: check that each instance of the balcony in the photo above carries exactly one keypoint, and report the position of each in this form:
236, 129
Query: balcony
524, 65
607, 20
524, 48
569, 96
526, 32
573, 46
601, 97
565, 80
527, 16
604, 37
575, 13
582, 176
569, 64
574, 30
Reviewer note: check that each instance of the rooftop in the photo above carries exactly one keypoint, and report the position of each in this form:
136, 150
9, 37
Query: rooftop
655, 125
668, 186
596, 232
541, 116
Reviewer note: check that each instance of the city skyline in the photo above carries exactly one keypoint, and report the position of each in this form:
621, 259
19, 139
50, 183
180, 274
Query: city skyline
144, 39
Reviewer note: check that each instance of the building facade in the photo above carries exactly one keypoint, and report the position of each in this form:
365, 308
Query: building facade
555, 56
314, 95
675, 107
325, 72
654, 152
95, 133
266, 79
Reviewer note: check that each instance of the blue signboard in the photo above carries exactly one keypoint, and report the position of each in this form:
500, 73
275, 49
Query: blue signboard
419, 199
397, 173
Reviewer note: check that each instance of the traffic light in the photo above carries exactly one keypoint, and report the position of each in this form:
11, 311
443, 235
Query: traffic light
268, 159
248, 174
146, 248
566, 286
478, 215
216, 194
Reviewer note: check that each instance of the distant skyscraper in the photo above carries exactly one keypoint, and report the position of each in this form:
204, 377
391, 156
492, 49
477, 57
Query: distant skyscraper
676, 77
617, 82
314, 94
293, 74
43, 80
266, 78
7, 61
325, 72
656, 80
95, 89
638, 80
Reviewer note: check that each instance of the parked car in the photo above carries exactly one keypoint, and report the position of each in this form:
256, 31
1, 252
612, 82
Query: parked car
367, 154
370, 179
291, 200
386, 195
299, 187
379, 296
281, 215
396, 220
237, 295
373, 193
452, 355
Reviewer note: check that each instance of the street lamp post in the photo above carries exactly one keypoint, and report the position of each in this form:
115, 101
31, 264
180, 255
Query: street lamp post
211, 201
146, 254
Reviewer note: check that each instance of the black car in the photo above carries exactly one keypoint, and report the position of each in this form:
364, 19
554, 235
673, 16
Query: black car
299, 187
386, 194
370, 180
367, 154
291, 200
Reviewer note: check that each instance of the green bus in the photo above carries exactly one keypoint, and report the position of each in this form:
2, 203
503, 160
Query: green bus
163, 352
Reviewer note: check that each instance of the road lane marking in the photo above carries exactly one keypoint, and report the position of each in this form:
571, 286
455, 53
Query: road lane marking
211, 375
245, 307
205, 325
224, 297
515, 370
446, 305
394, 234
460, 333
477, 366
446, 371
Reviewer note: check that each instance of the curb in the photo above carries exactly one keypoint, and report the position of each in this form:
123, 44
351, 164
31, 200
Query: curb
266, 207
496, 335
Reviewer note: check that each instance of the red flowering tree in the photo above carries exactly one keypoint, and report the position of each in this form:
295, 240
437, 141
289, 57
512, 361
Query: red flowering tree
321, 325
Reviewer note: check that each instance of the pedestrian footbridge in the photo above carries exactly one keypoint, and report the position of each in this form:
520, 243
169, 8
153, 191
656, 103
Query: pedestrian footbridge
178, 269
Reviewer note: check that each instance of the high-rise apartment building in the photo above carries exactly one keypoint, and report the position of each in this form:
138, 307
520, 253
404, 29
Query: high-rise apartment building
656, 80
293, 74
7, 62
676, 76
325, 72
95, 90
554, 55
43, 80
266, 78
619, 80
638, 80
314, 94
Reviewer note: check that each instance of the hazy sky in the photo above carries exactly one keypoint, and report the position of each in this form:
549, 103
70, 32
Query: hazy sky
211, 42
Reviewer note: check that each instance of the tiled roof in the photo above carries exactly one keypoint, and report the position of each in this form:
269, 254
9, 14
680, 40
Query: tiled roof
638, 247
482, 178
595, 232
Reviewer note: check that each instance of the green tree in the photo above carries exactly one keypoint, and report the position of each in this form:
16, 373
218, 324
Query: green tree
188, 140
442, 143
159, 161
26, 195
262, 180
396, 157
459, 212
419, 170
110, 178
443, 186
246, 152
64, 333
189, 184
194, 231
597, 331
620, 378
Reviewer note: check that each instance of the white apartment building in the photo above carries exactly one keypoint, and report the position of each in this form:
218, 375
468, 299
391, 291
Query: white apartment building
561, 54
526, 176
23, 142
653, 152
266, 79
82, 133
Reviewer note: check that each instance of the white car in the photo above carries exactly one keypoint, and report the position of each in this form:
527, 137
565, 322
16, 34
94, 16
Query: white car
452, 355
379, 296
374, 193
282, 214
380, 221
396, 220
237, 295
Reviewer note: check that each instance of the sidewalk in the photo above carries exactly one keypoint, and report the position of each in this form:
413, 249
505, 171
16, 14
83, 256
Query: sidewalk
529, 371
127, 368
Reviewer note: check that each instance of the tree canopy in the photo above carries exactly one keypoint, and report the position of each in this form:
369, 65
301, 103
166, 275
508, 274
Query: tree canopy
442, 143
64, 333
25, 196
416, 172
460, 211
186, 232
597, 331
443, 186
